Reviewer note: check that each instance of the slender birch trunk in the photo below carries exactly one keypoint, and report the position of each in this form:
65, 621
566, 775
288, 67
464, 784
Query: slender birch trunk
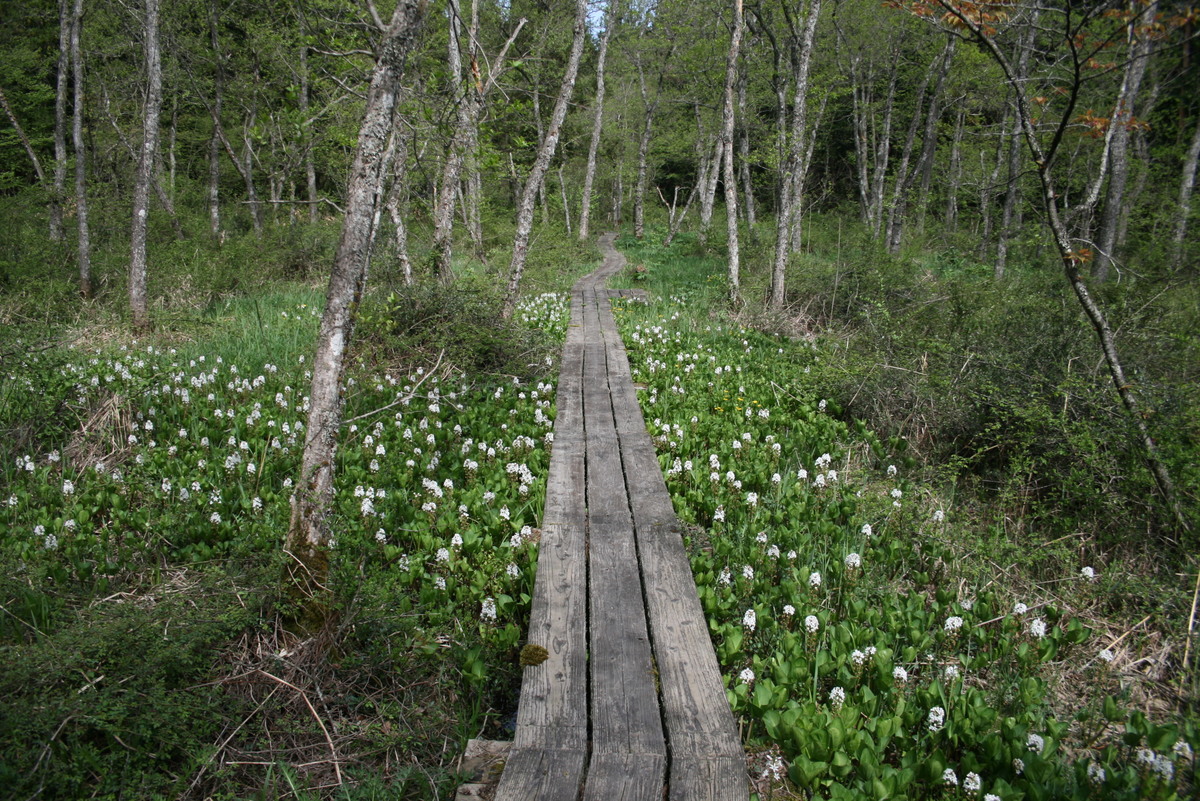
83, 250
792, 184
443, 212
730, 177
214, 142
744, 153
308, 534
1110, 215
537, 174
585, 209
145, 176
951, 216
1183, 208
310, 166
708, 188
639, 189
60, 121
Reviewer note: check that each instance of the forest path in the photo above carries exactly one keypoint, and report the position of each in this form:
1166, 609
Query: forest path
629, 698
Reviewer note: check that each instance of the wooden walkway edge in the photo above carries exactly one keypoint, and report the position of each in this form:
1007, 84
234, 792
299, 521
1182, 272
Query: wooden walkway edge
630, 698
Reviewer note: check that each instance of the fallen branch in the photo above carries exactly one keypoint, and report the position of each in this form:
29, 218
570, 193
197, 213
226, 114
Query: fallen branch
329, 740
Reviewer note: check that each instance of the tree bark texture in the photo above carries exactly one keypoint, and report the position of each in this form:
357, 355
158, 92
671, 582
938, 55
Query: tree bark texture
792, 184
1122, 119
589, 175
62, 83
214, 142
145, 172
537, 174
1183, 209
308, 534
730, 177
83, 249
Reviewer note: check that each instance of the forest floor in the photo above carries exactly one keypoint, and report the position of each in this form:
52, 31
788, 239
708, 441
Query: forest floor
889, 613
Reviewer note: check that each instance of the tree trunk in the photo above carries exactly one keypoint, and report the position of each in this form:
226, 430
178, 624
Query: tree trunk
83, 252
308, 533
708, 188
60, 121
20, 131
546, 150
585, 209
744, 152
145, 176
256, 213
1110, 216
1070, 259
792, 185
443, 211
310, 166
730, 177
214, 142
951, 218
1183, 208
639, 189
562, 188
904, 176
987, 191
1013, 195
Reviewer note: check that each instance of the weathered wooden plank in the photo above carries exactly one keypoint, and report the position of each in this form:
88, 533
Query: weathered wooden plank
707, 760
625, 777
541, 774
707, 778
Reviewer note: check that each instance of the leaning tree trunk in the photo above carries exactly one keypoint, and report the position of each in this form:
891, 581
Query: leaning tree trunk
541, 164
711, 172
730, 177
589, 175
1071, 261
1183, 208
308, 534
214, 142
145, 172
83, 250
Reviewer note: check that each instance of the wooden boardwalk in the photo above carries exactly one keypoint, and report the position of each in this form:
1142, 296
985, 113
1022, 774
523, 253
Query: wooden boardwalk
630, 699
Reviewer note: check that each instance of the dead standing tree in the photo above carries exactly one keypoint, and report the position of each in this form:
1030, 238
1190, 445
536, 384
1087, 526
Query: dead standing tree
308, 535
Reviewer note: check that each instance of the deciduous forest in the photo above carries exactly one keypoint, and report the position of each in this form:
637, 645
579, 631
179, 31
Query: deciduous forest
284, 287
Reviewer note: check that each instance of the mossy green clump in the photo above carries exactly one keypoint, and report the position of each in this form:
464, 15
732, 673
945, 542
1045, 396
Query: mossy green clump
532, 655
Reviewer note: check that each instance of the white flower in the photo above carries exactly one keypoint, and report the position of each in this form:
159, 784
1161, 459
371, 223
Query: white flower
504, 513
71, 525
858, 657
853, 561
456, 541
991, 797
380, 536
487, 610
900, 675
215, 518
725, 578
811, 624
938, 517
440, 582
814, 579
972, 783
761, 538
1182, 750
1035, 743
719, 515
750, 620
1087, 573
68, 488
512, 570
442, 555
746, 676
1018, 766
748, 572
1095, 773
953, 624
50, 542
936, 719
1020, 608
837, 697
788, 610
1106, 655
1037, 628
950, 672
896, 493
891, 471
949, 777
866, 530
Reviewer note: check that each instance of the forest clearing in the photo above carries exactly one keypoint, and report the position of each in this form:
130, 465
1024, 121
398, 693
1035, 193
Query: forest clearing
861, 460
